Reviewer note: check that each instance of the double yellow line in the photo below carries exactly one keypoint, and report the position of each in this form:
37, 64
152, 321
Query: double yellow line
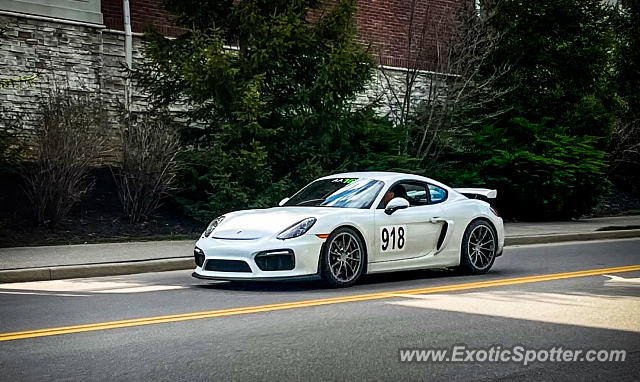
303, 304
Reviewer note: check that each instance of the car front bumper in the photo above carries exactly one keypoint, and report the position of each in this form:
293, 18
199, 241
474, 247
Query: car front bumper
306, 251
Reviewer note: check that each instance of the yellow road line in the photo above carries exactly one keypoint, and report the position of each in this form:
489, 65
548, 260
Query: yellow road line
301, 304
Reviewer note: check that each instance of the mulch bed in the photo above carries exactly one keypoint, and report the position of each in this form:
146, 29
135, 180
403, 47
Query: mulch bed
98, 218
96, 229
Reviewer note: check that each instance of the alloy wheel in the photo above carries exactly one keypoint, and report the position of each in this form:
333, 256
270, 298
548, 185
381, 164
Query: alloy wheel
345, 257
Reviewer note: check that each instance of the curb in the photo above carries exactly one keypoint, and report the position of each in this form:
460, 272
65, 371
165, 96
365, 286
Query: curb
182, 263
94, 270
583, 236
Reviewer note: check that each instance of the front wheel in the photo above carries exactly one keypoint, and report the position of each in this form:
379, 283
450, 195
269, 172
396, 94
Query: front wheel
343, 258
479, 246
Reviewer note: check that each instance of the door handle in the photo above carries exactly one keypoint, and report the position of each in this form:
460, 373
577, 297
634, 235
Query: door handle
437, 220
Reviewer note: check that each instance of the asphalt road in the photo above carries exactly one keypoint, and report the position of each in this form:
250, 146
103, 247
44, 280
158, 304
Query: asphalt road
330, 334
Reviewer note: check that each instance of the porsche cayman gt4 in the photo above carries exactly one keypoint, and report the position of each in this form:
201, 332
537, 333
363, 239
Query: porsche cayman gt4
343, 226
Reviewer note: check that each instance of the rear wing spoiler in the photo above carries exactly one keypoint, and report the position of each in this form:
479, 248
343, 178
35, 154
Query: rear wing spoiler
478, 193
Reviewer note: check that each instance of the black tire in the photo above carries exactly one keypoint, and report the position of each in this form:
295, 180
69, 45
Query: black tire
347, 272
476, 257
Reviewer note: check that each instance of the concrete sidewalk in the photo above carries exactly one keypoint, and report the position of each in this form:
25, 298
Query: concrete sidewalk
89, 260
79, 254
562, 228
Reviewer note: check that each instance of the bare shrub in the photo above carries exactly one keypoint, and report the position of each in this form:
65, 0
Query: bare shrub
623, 156
460, 91
11, 147
68, 141
149, 146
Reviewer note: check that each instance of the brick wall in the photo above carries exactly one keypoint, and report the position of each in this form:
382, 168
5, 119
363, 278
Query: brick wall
382, 24
142, 13
389, 25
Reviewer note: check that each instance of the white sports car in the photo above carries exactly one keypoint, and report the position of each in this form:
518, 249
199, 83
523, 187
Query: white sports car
342, 226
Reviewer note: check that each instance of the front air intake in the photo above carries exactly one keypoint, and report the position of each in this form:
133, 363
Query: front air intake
277, 260
198, 256
227, 266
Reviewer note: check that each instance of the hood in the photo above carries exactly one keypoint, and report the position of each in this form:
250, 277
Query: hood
256, 224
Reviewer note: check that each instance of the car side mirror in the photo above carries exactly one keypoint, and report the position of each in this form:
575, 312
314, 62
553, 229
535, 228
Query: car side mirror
396, 204
283, 201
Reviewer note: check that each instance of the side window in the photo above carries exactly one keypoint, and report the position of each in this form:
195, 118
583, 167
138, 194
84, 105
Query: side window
438, 194
416, 194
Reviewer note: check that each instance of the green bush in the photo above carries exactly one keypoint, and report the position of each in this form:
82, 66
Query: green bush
624, 150
540, 173
212, 181
272, 115
559, 52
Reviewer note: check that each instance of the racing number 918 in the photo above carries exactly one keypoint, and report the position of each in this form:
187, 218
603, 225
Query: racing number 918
393, 238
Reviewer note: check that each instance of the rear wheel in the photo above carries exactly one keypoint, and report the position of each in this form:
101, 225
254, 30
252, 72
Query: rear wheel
343, 258
479, 246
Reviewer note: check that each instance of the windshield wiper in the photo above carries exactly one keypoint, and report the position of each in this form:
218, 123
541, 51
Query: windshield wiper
309, 202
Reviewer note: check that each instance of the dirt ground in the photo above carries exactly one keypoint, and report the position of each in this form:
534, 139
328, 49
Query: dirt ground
97, 218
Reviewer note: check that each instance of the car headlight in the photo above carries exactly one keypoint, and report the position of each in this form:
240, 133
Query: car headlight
213, 225
298, 229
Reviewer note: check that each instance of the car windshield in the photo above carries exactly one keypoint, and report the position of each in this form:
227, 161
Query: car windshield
337, 192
